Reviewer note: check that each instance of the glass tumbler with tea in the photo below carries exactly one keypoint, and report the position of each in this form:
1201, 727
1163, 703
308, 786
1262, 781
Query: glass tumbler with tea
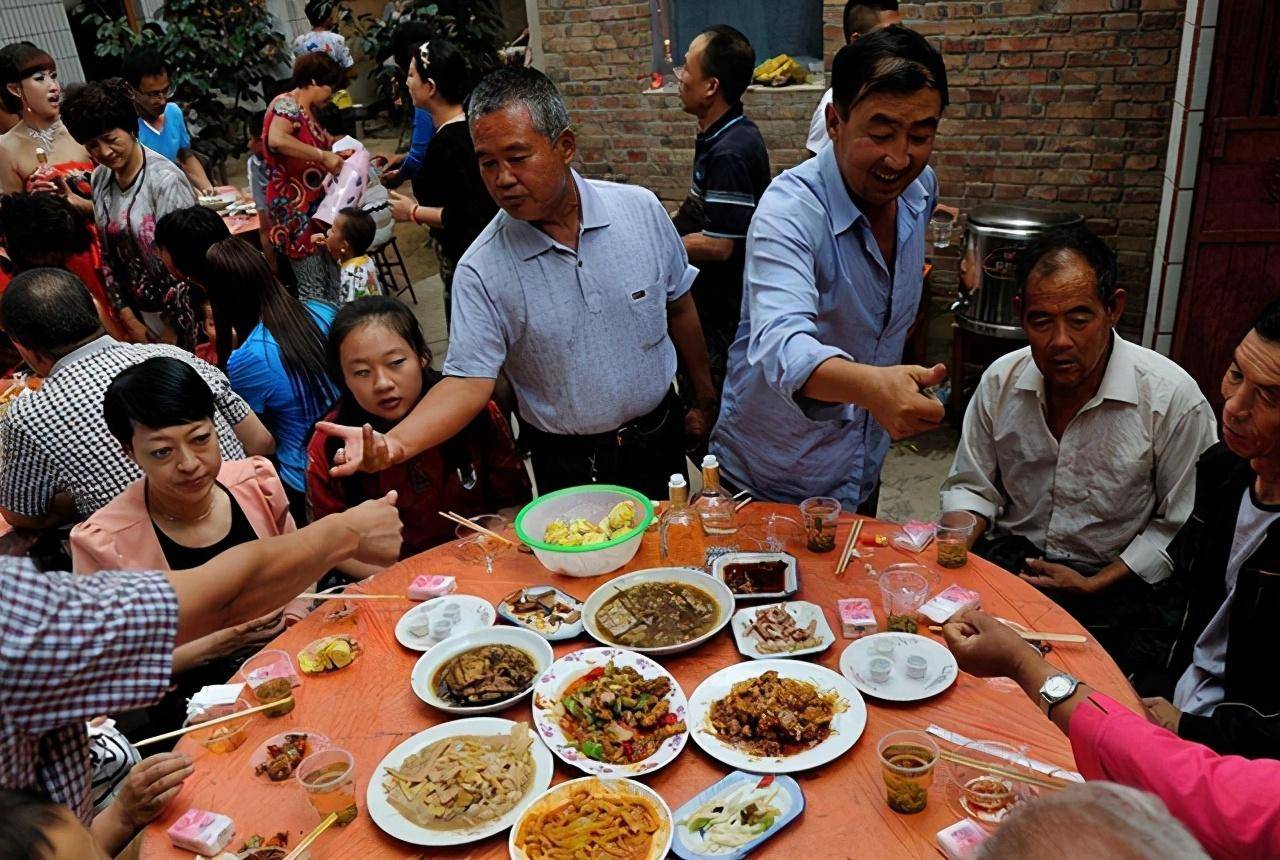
329, 779
271, 676
904, 588
907, 761
821, 515
955, 529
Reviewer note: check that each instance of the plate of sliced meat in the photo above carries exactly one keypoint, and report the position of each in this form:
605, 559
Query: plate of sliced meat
782, 630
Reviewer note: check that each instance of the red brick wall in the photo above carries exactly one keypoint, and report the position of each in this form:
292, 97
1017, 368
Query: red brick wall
1065, 102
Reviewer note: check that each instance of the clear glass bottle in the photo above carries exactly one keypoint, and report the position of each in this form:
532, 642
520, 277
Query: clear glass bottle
715, 507
680, 539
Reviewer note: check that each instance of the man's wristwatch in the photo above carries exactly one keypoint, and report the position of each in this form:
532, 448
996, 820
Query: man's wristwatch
1056, 688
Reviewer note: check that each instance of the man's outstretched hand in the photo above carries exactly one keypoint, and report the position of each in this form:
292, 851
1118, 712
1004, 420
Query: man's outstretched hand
363, 449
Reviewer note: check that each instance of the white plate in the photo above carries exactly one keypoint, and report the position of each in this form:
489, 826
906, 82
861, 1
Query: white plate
394, 824
566, 670
940, 675
425, 669
564, 789
712, 586
846, 728
477, 614
801, 610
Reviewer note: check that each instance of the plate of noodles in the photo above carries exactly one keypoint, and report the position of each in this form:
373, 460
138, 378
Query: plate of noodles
458, 782
593, 817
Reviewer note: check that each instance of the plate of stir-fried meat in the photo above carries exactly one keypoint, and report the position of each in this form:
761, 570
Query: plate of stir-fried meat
776, 716
610, 712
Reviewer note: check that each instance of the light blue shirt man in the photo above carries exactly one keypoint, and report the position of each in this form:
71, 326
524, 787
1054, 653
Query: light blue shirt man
816, 287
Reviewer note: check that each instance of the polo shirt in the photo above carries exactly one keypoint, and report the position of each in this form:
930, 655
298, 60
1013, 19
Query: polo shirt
581, 335
171, 138
730, 174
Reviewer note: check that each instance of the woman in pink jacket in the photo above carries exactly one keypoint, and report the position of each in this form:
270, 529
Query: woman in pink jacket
1228, 803
188, 507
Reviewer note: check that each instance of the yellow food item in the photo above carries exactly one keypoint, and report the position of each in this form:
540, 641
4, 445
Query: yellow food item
583, 532
328, 655
779, 71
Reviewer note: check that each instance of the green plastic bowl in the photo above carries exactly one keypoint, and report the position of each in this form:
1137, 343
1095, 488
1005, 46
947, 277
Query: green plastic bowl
591, 502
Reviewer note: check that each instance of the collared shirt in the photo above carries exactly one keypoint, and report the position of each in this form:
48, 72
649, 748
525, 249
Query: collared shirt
73, 648
818, 139
582, 336
1118, 484
817, 287
730, 174
56, 438
170, 138
1201, 689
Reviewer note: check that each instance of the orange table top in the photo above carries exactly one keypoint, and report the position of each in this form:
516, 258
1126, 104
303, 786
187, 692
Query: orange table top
369, 708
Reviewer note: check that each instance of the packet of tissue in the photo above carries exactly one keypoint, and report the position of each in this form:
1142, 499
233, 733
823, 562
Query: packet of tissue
914, 535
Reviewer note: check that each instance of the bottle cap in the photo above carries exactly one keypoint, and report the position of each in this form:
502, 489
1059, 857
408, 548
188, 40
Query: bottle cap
676, 481
709, 461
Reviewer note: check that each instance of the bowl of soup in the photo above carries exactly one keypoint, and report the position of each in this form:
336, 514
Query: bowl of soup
662, 610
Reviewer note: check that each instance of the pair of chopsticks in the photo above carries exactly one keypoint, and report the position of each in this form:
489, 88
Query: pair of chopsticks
1036, 636
986, 767
235, 715
312, 836
311, 595
463, 521
849, 544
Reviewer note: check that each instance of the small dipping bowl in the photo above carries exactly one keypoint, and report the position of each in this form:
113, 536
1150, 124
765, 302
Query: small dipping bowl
917, 666
441, 628
452, 613
882, 647
880, 669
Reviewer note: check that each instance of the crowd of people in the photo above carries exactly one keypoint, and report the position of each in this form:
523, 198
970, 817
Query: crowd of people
223, 425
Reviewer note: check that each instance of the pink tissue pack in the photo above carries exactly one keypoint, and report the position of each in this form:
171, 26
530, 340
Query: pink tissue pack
960, 841
202, 832
856, 617
426, 587
948, 602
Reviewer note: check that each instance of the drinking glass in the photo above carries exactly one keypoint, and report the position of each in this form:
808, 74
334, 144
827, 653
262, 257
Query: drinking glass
904, 587
907, 760
329, 779
478, 546
271, 677
821, 515
940, 226
952, 536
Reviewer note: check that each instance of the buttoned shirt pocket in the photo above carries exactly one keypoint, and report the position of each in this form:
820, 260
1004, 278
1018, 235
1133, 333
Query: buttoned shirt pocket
648, 313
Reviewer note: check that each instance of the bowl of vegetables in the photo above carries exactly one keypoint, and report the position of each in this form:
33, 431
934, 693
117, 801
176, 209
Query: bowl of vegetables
585, 531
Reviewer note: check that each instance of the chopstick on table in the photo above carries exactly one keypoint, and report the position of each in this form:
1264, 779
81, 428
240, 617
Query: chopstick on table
1041, 781
1036, 636
312, 836
313, 595
235, 715
847, 552
463, 521
742, 504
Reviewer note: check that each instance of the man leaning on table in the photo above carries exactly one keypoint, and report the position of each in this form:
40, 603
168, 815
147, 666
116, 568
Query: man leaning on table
1078, 456
578, 291
77, 647
835, 266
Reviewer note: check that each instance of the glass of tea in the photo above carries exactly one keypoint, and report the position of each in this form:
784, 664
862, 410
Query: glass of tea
329, 779
271, 677
952, 537
821, 515
907, 760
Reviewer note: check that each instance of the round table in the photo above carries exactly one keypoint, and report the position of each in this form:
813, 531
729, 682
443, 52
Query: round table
369, 708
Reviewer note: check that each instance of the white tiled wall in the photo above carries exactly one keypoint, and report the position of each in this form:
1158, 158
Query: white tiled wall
1194, 63
43, 23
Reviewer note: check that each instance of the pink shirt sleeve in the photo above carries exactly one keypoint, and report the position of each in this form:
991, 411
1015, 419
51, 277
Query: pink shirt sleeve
1230, 804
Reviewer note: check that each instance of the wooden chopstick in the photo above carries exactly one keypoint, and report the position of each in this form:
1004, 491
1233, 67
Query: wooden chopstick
312, 836
739, 494
311, 595
236, 715
463, 521
1037, 636
1043, 782
742, 504
847, 552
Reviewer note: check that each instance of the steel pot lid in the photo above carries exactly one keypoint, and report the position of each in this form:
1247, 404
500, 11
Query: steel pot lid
1009, 216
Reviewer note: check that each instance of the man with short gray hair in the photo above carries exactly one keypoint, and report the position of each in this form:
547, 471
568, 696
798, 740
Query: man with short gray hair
579, 292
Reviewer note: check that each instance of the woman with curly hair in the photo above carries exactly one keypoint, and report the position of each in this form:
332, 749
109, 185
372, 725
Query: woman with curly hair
133, 188
298, 157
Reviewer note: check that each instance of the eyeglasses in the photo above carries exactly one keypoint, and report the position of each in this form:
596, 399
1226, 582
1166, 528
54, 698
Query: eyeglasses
157, 95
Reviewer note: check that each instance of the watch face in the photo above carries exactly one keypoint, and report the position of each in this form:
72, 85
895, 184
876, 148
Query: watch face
1058, 686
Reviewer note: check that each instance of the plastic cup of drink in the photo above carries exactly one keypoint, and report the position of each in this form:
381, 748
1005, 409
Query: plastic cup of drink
907, 760
270, 675
821, 514
955, 528
904, 588
329, 780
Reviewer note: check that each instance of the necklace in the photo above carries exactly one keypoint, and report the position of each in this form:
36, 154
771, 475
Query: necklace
203, 516
44, 136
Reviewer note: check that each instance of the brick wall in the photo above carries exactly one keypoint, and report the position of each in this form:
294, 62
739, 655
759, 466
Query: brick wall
1064, 102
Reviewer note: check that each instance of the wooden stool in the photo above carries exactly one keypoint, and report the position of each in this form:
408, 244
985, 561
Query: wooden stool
387, 260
